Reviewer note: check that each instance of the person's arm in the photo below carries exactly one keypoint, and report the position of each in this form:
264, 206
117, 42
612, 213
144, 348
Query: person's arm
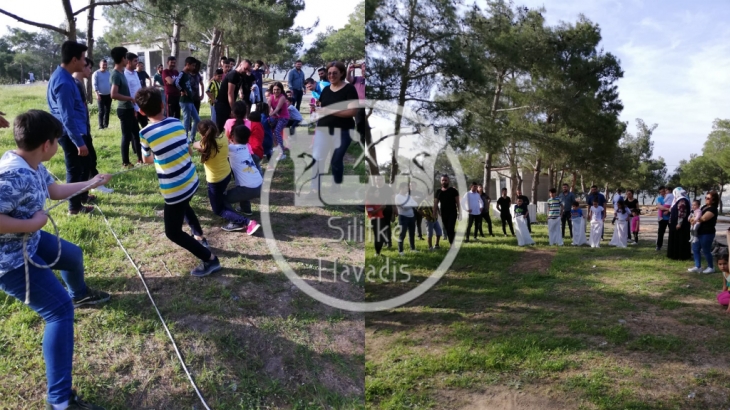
169, 80
8, 224
436, 212
119, 97
63, 191
458, 211
65, 103
350, 74
231, 94
197, 146
707, 216
3, 122
95, 84
279, 106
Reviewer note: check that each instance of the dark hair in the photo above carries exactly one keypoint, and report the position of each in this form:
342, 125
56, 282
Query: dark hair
264, 108
160, 66
722, 255
715, 197
149, 101
298, 61
254, 116
231, 61
259, 62
566, 185
208, 134
552, 190
322, 69
131, 56
218, 71
340, 67
171, 58
309, 81
621, 205
696, 201
239, 112
575, 203
89, 62
224, 58
630, 190
289, 92
504, 189
118, 54
276, 84
636, 211
619, 190
34, 127
594, 186
474, 183
241, 134
662, 187
190, 60
70, 50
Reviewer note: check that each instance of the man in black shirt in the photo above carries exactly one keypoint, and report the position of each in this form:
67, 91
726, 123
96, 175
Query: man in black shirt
525, 203
448, 197
235, 81
143, 76
503, 205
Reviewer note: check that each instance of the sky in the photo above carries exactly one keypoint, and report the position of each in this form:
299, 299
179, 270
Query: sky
51, 12
675, 56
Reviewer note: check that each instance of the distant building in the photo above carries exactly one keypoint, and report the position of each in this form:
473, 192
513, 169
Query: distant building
156, 53
501, 179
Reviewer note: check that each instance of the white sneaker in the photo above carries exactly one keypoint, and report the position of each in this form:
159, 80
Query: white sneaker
708, 271
401, 253
103, 189
694, 270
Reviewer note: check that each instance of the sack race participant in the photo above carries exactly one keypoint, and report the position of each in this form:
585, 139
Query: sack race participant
597, 215
621, 225
555, 235
522, 230
578, 224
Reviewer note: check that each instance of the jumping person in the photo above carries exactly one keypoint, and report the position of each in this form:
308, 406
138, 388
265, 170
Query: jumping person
525, 204
555, 210
26, 185
503, 205
596, 196
125, 107
620, 222
473, 205
164, 144
597, 215
566, 198
520, 214
448, 198
69, 107
576, 216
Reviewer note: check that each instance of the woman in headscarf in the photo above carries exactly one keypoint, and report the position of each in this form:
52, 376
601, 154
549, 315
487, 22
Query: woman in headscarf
679, 246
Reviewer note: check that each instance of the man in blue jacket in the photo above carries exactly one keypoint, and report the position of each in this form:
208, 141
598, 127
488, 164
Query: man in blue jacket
296, 83
69, 107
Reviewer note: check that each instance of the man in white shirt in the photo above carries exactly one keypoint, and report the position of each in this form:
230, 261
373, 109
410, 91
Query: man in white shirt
473, 205
133, 81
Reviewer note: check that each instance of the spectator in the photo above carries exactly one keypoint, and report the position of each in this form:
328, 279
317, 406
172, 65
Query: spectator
296, 82
101, 82
169, 76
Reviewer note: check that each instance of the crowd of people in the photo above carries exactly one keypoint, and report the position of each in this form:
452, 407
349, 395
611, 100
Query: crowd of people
247, 121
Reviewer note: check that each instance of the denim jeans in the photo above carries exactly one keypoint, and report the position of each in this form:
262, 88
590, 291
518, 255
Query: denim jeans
212, 113
703, 244
219, 203
53, 303
130, 134
190, 115
243, 195
407, 225
78, 168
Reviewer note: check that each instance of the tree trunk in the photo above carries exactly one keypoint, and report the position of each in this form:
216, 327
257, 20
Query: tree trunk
551, 173
488, 173
314, 70
575, 181
175, 41
560, 181
213, 52
582, 185
536, 179
70, 20
90, 45
513, 171
404, 83
488, 156
606, 193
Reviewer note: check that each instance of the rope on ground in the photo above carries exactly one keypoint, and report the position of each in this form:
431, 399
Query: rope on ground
139, 273
164, 324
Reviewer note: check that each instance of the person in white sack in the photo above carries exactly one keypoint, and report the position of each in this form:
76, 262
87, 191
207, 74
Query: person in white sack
597, 215
522, 230
578, 224
621, 225
555, 209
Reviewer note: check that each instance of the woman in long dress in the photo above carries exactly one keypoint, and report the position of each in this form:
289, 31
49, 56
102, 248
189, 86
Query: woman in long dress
621, 225
679, 246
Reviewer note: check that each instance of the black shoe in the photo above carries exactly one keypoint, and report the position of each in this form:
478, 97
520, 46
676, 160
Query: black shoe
75, 403
233, 227
206, 268
467, 240
93, 297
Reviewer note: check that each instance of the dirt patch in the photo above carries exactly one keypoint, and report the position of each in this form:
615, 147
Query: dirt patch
501, 398
535, 260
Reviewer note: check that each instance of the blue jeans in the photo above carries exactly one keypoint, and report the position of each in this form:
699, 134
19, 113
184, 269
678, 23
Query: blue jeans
219, 203
190, 114
212, 113
53, 303
243, 195
703, 243
407, 225
434, 226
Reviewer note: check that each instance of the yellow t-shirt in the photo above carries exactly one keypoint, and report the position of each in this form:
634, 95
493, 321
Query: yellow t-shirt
217, 166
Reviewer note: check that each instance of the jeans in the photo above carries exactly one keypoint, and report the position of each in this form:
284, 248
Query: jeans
212, 113
449, 226
142, 120
130, 135
507, 220
660, 235
419, 220
293, 124
243, 195
219, 203
407, 225
703, 244
173, 106
78, 168
105, 107
190, 119
297, 94
566, 217
474, 220
53, 303
324, 142
379, 229
432, 227
175, 215
485, 217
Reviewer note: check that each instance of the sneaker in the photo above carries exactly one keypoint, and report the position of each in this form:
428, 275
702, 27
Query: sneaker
282, 157
658, 249
75, 403
232, 227
103, 189
90, 199
127, 166
414, 250
82, 210
708, 271
466, 240
93, 297
694, 270
401, 253
420, 238
437, 247
253, 226
204, 242
206, 268
430, 248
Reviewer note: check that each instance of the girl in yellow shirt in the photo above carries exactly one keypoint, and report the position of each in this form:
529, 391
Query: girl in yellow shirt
213, 149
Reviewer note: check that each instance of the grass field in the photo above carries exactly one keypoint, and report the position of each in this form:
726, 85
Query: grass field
249, 337
548, 328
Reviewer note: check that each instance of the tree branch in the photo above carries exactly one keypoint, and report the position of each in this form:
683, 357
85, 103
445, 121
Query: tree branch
33, 23
514, 109
101, 3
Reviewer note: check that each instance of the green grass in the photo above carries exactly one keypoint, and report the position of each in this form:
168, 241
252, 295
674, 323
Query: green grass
599, 328
250, 340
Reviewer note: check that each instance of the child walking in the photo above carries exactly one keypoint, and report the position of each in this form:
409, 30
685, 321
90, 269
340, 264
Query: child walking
597, 215
521, 229
165, 144
579, 229
214, 156
635, 224
620, 222
26, 184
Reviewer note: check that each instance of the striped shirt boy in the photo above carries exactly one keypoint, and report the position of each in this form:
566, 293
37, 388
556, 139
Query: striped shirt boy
553, 208
176, 173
